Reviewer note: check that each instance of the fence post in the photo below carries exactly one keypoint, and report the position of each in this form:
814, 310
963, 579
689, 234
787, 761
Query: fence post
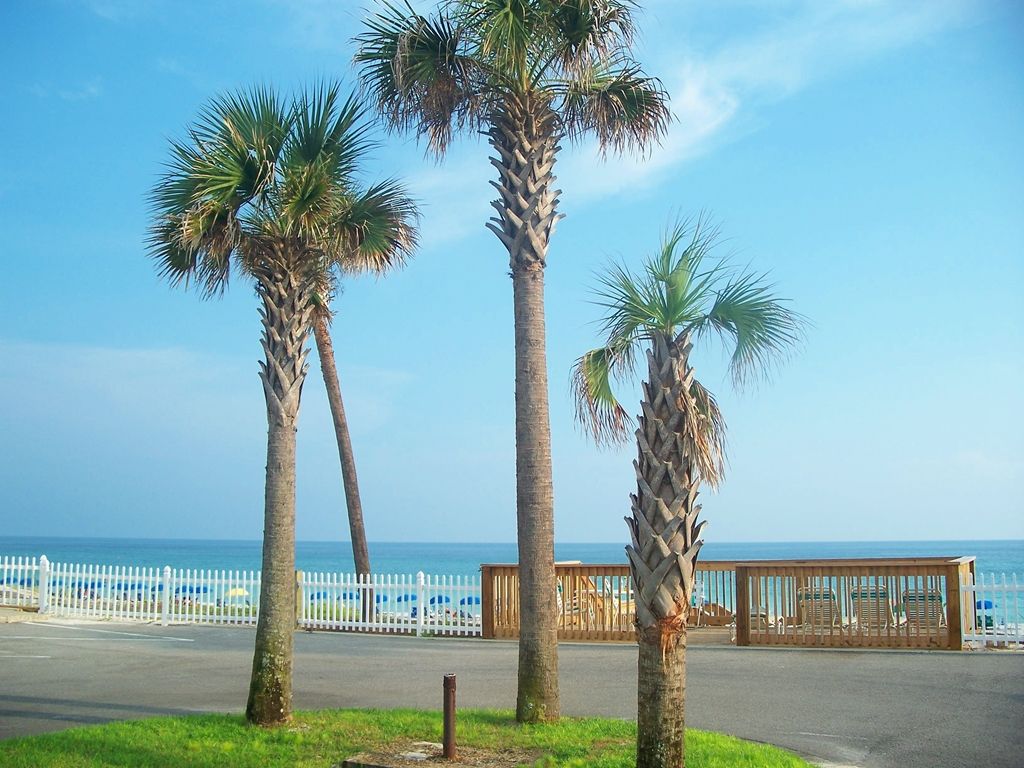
742, 606
44, 584
165, 599
954, 621
298, 598
486, 603
421, 602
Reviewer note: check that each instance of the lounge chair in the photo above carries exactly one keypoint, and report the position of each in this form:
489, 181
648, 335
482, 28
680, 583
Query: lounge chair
818, 608
924, 610
872, 609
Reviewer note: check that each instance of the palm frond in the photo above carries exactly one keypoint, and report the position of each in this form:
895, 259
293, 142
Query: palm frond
380, 227
598, 411
619, 104
329, 138
709, 426
762, 329
505, 31
589, 31
414, 69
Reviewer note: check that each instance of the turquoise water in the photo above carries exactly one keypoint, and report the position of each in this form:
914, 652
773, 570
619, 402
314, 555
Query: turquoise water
464, 559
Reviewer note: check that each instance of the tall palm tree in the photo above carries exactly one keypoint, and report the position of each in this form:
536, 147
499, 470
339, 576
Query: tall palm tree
529, 74
260, 186
682, 297
381, 229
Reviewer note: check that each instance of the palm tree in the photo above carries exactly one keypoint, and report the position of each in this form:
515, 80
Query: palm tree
261, 187
381, 228
682, 297
529, 74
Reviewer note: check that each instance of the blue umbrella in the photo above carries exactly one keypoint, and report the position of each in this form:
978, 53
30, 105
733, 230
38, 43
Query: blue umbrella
406, 598
984, 604
318, 596
352, 596
440, 599
472, 600
380, 598
191, 590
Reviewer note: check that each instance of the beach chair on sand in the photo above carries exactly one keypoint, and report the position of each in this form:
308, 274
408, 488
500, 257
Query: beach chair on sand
924, 610
818, 608
872, 609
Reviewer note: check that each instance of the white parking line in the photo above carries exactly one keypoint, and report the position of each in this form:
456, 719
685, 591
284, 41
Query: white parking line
138, 639
18, 656
48, 625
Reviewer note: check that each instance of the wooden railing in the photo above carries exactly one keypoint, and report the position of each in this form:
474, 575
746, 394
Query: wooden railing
885, 603
890, 603
595, 602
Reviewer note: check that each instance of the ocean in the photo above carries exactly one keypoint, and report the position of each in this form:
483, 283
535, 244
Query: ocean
1005, 556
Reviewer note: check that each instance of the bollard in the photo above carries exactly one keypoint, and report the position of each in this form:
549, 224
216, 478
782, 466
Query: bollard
449, 717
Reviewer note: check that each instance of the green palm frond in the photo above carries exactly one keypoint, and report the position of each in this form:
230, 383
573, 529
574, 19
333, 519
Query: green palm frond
619, 104
587, 32
453, 70
682, 292
762, 329
505, 31
598, 411
261, 178
381, 229
414, 69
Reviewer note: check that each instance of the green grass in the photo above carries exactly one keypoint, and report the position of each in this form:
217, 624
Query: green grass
323, 739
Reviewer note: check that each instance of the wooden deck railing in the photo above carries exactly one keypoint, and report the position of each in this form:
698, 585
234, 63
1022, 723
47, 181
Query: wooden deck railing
595, 602
890, 603
881, 603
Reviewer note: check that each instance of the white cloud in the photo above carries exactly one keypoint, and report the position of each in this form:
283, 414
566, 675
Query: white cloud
455, 196
83, 91
717, 92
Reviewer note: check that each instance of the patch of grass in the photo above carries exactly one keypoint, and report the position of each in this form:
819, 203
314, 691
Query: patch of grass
323, 739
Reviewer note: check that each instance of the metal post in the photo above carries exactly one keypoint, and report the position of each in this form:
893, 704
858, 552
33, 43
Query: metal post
449, 717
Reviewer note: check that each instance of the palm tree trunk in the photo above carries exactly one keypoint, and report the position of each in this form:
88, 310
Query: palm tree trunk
523, 135
663, 554
286, 315
357, 531
537, 698
661, 692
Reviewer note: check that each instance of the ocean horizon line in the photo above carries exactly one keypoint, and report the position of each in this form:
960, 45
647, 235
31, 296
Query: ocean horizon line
569, 542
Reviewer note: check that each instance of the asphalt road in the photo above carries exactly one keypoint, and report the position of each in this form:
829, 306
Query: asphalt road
895, 709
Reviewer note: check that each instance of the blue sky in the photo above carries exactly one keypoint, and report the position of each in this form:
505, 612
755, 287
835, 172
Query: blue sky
869, 154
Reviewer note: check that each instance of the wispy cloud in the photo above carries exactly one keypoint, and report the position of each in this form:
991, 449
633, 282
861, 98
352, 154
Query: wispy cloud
83, 91
455, 196
169, 65
119, 10
721, 91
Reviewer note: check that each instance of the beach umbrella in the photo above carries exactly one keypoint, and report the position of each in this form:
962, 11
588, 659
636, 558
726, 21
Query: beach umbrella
380, 598
406, 598
472, 600
237, 592
318, 596
352, 595
984, 605
440, 599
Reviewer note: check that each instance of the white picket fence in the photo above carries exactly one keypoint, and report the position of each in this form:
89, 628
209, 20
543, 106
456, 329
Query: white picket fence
421, 604
993, 611
19, 582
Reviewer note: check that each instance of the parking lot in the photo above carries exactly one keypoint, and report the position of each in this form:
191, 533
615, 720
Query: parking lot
894, 709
